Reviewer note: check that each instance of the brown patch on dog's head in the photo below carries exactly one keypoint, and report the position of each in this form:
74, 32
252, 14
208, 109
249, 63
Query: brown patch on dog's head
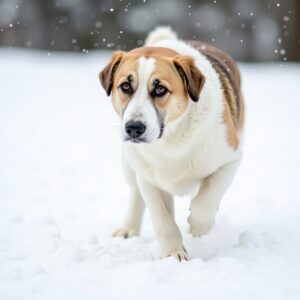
174, 103
191, 75
107, 74
127, 72
174, 73
179, 74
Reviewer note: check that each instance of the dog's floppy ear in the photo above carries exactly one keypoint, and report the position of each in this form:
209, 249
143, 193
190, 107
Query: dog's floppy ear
190, 75
107, 74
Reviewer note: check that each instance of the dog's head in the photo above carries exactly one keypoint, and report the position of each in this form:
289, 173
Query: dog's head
150, 88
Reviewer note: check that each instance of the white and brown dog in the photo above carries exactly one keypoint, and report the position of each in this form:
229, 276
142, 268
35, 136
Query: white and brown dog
182, 117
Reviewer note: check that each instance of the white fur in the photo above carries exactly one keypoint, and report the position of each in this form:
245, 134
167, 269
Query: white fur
193, 156
159, 34
140, 107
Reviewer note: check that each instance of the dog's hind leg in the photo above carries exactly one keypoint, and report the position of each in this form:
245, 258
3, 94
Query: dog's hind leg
133, 219
206, 203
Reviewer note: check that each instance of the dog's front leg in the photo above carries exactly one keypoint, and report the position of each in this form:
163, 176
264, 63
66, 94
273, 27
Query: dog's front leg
167, 232
133, 219
206, 203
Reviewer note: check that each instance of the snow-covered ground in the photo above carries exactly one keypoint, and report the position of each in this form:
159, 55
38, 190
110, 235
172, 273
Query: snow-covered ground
62, 193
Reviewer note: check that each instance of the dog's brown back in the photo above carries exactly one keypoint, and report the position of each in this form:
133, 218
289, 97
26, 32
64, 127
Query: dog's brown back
229, 76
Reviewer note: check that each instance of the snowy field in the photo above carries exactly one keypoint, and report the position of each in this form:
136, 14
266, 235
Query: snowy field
62, 193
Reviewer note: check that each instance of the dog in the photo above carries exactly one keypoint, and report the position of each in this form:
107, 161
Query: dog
182, 115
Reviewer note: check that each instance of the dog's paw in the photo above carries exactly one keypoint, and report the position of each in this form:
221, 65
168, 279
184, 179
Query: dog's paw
201, 227
126, 232
180, 255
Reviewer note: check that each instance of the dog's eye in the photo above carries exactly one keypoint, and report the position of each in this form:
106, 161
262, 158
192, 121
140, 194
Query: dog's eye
126, 88
159, 91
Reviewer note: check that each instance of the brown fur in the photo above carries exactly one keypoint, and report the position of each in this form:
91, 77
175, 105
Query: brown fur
230, 79
176, 72
230, 115
153, 52
107, 74
223, 57
190, 74
128, 66
173, 104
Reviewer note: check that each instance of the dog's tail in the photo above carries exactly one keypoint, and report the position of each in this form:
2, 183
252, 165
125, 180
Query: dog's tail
160, 33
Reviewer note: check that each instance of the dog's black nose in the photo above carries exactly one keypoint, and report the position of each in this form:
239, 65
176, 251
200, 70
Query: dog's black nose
135, 129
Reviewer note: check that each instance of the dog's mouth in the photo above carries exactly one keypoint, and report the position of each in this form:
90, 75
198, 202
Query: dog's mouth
136, 140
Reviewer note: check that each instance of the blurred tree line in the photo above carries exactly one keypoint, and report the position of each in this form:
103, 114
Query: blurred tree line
251, 30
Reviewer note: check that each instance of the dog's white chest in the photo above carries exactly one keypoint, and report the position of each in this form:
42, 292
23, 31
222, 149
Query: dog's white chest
183, 172
180, 183
178, 176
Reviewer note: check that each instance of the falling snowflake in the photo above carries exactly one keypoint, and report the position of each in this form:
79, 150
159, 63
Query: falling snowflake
282, 51
286, 18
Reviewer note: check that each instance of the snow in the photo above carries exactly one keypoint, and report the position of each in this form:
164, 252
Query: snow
62, 193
